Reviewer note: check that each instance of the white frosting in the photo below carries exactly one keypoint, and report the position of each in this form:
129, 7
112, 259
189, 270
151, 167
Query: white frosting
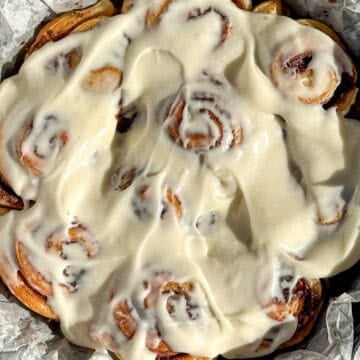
245, 218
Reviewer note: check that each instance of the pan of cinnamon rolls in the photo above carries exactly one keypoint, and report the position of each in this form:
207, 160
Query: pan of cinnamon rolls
179, 176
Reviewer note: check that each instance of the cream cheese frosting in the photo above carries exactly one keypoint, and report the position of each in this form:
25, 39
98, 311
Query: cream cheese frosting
209, 167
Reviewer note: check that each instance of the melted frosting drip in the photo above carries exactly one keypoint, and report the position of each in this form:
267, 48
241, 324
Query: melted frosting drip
171, 209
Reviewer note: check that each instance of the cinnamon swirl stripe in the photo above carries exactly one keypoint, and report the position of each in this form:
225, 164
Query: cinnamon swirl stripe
226, 24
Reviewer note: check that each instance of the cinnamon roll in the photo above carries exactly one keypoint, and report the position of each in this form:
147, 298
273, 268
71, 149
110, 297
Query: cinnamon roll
34, 288
302, 72
304, 302
160, 285
199, 121
345, 95
40, 142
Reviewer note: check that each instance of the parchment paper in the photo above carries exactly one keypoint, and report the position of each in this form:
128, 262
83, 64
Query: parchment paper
25, 336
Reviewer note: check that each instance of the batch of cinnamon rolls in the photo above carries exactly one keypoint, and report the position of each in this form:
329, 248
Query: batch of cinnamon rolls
176, 179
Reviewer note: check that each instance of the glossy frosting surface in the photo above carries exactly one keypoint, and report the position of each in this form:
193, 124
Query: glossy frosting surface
203, 168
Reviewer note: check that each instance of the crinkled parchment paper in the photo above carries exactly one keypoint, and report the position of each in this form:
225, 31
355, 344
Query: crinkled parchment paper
25, 336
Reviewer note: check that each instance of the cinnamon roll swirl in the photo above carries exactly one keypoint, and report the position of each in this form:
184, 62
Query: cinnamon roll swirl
199, 121
40, 142
160, 285
34, 287
302, 72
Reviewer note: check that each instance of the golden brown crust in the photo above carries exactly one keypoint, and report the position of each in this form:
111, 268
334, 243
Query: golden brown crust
316, 24
89, 24
32, 276
24, 293
62, 25
269, 7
